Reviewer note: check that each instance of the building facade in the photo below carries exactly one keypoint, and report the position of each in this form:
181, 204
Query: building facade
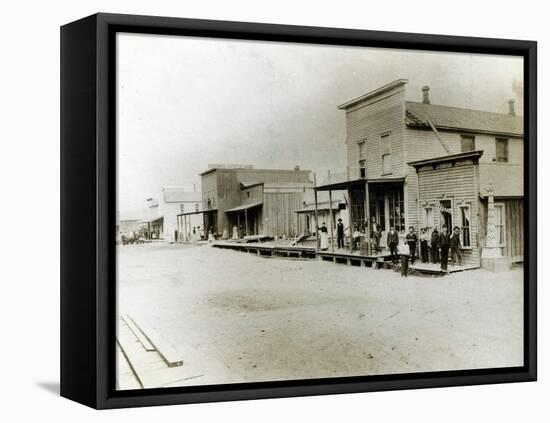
388, 136
163, 210
257, 201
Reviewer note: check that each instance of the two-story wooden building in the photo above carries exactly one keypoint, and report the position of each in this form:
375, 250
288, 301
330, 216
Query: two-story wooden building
261, 201
424, 165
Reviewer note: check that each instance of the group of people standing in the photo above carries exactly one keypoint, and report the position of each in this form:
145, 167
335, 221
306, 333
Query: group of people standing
438, 245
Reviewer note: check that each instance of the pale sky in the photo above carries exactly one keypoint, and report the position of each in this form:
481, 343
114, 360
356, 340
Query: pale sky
185, 102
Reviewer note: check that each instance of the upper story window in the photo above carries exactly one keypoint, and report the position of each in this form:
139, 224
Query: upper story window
467, 143
385, 148
502, 150
361, 148
196, 207
182, 208
362, 161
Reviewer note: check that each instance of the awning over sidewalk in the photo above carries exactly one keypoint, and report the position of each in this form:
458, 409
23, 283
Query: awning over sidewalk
342, 185
244, 207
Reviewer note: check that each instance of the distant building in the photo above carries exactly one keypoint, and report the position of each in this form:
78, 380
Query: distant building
260, 201
162, 213
425, 165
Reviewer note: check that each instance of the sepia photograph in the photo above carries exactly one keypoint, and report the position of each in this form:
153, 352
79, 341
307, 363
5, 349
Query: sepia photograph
292, 211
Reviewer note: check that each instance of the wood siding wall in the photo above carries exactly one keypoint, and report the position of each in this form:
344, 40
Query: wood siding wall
423, 144
278, 216
367, 122
458, 184
226, 187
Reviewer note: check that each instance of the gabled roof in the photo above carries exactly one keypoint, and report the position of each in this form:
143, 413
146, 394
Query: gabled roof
445, 117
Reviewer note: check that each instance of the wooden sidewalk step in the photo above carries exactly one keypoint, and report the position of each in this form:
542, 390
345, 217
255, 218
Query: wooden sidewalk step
148, 368
165, 349
138, 333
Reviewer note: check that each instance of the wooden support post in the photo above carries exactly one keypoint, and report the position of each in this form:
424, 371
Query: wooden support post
330, 216
351, 229
367, 218
316, 213
245, 222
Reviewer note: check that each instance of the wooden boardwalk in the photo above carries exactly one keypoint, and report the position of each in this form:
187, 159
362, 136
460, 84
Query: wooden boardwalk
269, 250
339, 256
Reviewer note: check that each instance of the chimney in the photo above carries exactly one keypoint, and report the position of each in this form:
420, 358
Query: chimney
426, 94
511, 107
296, 168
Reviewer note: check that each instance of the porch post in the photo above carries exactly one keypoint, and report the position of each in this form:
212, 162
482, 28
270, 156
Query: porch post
367, 217
245, 222
351, 225
316, 213
330, 215
491, 255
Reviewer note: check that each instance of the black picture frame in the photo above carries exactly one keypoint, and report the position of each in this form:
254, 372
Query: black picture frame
88, 210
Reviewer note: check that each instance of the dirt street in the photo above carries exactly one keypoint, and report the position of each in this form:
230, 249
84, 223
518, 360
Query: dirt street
237, 317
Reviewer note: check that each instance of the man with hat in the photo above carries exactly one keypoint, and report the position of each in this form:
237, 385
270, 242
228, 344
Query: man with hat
340, 233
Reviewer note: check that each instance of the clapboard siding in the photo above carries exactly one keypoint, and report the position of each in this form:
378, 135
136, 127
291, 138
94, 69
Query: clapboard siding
370, 120
278, 216
224, 188
458, 184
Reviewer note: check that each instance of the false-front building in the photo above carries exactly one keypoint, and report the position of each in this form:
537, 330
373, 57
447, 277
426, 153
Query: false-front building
256, 201
424, 165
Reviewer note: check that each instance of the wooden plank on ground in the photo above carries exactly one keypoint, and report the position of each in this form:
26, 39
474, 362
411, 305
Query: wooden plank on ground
166, 350
138, 333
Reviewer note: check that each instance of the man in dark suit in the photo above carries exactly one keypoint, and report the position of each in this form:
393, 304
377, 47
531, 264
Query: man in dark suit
434, 246
340, 233
392, 241
412, 240
444, 243
456, 254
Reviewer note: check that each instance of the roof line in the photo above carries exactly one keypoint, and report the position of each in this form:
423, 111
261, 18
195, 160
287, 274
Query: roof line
448, 158
374, 93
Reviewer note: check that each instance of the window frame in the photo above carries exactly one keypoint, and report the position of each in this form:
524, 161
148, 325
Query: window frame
506, 142
386, 154
471, 240
467, 136
502, 206
425, 217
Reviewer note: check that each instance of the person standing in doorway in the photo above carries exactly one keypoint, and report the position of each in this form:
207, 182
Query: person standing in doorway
456, 254
235, 232
423, 245
201, 231
393, 241
434, 245
444, 243
340, 233
412, 240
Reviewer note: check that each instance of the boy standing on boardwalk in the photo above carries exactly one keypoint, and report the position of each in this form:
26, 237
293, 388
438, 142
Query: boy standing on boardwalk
412, 240
423, 245
393, 240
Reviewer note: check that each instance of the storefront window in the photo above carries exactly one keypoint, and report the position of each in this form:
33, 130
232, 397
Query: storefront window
500, 224
465, 224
